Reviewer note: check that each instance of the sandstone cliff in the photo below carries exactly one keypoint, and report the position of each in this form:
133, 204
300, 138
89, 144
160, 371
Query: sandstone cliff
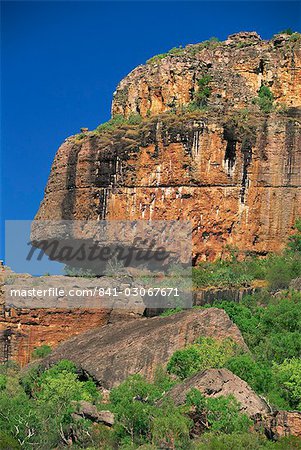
229, 168
238, 67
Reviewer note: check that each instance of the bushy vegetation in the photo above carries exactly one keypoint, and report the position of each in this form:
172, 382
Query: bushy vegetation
248, 441
203, 93
220, 414
119, 120
206, 353
265, 99
70, 271
190, 50
41, 352
36, 410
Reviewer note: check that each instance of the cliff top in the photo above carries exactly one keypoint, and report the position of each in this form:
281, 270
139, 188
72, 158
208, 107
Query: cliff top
219, 75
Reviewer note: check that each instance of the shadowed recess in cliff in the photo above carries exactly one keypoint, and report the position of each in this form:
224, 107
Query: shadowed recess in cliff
70, 195
246, 149
290, 142
230, 153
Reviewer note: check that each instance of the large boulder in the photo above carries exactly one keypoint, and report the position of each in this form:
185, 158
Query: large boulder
217, 382
113, 352
86, 410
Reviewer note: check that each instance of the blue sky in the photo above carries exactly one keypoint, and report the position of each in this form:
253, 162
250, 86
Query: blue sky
61, 62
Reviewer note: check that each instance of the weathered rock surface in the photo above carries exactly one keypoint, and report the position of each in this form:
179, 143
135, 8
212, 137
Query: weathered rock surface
113, 352
32, 321
296, 284
279, 424
238, 67
217, 382
234, 173
89, 411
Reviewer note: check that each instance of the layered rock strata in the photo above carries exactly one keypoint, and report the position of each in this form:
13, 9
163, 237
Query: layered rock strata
230, 169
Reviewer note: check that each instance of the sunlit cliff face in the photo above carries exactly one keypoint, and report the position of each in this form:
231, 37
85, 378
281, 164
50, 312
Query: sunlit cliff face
230, 168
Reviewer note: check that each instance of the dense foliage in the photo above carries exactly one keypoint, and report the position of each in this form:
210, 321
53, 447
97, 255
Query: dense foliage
206, 353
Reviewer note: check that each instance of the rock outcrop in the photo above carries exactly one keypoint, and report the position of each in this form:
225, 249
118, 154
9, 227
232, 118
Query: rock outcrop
111, 353
238, 67
29, 322
296, 284
86, 410
279, 424
230, 169
217, 382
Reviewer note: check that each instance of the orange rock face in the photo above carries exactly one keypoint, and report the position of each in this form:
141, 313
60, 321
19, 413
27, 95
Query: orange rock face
27, 329
279, 424
234, 173
238, 67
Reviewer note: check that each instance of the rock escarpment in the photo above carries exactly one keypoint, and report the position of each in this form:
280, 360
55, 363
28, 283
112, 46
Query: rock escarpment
230, 169
29, 322
238, 67
113, 352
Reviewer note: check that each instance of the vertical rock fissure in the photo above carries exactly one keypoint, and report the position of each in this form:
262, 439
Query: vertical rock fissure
68, 204
246, 149
289, 144
230, 153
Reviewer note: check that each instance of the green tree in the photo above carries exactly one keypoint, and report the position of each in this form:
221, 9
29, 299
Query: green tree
256, 374
265, 99
41, 352
133, 403
295, 240
288, 377
221, 414
206, 353
204, 91
170, 428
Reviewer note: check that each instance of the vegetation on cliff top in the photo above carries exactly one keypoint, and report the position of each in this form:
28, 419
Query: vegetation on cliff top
190, 50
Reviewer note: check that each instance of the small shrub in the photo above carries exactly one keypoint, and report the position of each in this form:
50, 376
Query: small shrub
134, 119
3, 382
222, 414
162, 380
295, 37
294, 243
203, 93
233, 441
265, 99
7, 442
112, 123
171, 312
256, 374
155, 59
70, 271
288, 31
278, 275
41, 352
204, 354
